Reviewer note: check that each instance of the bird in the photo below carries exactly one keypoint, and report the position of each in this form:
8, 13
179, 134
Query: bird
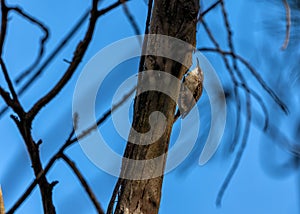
192, 84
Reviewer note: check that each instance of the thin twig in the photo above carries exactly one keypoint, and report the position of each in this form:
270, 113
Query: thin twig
147, 28
257, 76
247, 90
232, 77
70, 141
237, 159
4, 14
77, 58
202, 14
8, 80
14, 103
24, 125
237, 71
49, 59
84, 183
132, 21
49, 165
261, 103
246, 131
42, 41
52, 55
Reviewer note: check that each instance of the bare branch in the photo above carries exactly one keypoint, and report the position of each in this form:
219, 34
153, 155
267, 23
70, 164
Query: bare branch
202, 14
49, 59
8, 80
70, 141
111, 7
240, 77
14, 101
248, 91
54, 53
41, 174
131, 20
147, 27
273, 95
42, 41
237, 159
4, 14
261, 103
233, 79
83, 183
106, 115
77, 58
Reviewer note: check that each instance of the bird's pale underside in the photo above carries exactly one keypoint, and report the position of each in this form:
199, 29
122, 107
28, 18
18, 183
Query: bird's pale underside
192, 84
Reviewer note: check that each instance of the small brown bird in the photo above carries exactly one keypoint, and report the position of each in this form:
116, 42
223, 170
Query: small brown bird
192, 83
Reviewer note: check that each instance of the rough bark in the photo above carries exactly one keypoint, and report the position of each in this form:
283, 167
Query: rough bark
2, 211
176, 18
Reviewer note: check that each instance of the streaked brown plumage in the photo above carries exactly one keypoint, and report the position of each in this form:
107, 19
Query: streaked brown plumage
192, 83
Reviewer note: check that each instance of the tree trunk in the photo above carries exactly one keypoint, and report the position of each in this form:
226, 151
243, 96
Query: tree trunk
175, 18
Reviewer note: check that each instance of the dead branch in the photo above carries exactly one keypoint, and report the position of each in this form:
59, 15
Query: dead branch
70, 141
132, 21
257, 76
42, 41
77, 58
84, 183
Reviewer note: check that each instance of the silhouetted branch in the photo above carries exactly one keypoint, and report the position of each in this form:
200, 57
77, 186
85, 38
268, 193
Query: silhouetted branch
70, 141
132, 20
4, 14
14, 101
264, 85
237, 158
83, 183
202, 14
6, 97
8, 80
147, 28
238, 82
77, 58
232, 77
240, 77
49, 59
52, 55
42, 173
261, 103
24, 121
42, 41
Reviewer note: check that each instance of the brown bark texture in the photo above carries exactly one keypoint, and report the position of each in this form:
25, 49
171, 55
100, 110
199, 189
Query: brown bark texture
175, 18
2, 211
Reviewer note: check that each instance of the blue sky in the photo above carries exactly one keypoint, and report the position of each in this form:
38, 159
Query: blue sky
188, 189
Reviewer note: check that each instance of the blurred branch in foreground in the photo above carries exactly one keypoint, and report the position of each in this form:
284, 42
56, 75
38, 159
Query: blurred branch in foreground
2, 211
